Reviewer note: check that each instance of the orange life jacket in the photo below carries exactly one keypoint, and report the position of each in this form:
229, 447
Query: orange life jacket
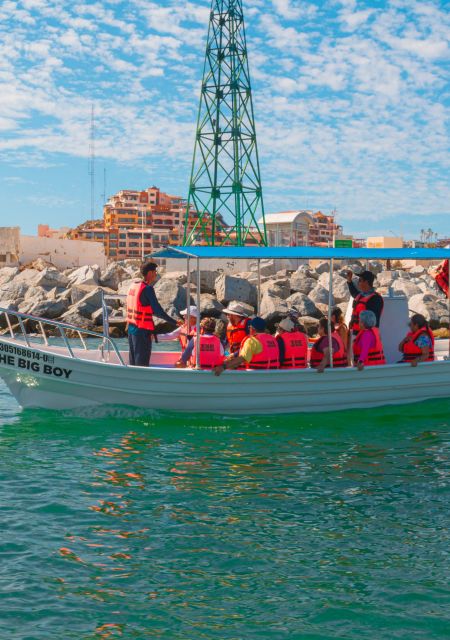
339, 358
376, 353
359, 304
186, 334
210, 352
236, 334
269, 358
411, 351
139, 315
295, 350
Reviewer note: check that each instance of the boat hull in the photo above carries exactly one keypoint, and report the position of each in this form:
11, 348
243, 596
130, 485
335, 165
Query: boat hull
51, 380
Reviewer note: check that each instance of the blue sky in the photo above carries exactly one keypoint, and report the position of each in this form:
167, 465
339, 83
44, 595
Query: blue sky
351, 101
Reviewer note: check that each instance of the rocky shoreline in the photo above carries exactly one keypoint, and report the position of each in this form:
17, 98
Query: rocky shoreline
74, 296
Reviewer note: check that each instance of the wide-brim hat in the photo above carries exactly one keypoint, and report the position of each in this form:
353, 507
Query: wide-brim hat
192, 312
236, 309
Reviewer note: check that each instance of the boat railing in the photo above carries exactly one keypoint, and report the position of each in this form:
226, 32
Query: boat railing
107, 343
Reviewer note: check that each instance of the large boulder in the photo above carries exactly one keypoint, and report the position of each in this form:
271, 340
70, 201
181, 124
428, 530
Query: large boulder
179, 276
302, 283
125, 285
323, 267
79, 321
27, 276
303, 305
14, 290
402, 286
89, 303
50, 309
320, 294
113, 275
280, 288
231, 288
418, 270
429, 306
273, 309
10, 305
386, 278
85, 275
7, 274
341, 292
51, 277
209, 306
208, 279
171, 295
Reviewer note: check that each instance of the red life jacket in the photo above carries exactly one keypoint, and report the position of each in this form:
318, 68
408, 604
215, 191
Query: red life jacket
411, 351
269, 358
210, 352
376, 353
339, 358
295, 350
236, 334
139, 315
441, 276
186, 334
359, 304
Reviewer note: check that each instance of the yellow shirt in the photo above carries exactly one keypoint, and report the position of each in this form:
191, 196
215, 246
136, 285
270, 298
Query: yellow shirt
250, 348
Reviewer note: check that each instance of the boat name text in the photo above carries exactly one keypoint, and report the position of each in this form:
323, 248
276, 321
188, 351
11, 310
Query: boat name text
37, 367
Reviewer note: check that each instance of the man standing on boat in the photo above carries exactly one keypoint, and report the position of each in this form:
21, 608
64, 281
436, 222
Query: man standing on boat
365, 298
142, 305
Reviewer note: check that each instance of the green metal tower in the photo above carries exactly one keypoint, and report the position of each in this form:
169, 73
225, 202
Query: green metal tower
225, 179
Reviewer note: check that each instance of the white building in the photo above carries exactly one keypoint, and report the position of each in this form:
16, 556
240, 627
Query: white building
288, 228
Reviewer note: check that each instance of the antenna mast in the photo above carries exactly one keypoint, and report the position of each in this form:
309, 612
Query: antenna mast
92, 161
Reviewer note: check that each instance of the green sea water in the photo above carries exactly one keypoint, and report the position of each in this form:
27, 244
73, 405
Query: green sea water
117, 524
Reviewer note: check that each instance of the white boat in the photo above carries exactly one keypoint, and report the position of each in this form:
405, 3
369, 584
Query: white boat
66, 377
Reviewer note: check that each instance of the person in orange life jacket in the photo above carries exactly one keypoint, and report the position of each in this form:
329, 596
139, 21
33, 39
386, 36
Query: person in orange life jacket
367, 347
142, 305
211, 349
258, 351
292, 345
237, 328
337, 318
320, 352
365, 297
182, 332
418, 345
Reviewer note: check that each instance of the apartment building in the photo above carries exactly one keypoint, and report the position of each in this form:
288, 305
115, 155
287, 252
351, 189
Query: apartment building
323, 230
301, 227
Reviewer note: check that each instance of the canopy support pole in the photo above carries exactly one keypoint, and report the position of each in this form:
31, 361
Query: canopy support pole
197, 342
258, 301
330, 298
188, 296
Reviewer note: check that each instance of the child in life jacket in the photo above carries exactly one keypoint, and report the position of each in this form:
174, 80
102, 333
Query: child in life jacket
211, 351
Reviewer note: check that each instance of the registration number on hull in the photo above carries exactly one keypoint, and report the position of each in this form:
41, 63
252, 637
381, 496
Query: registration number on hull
29, 360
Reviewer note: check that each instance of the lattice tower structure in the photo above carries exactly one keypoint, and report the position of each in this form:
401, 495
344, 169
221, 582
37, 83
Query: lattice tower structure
225, 178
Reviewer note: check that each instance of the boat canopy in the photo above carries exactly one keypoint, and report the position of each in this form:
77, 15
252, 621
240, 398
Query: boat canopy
307, 253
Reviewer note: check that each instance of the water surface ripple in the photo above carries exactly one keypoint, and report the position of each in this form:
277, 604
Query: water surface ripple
116, 524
